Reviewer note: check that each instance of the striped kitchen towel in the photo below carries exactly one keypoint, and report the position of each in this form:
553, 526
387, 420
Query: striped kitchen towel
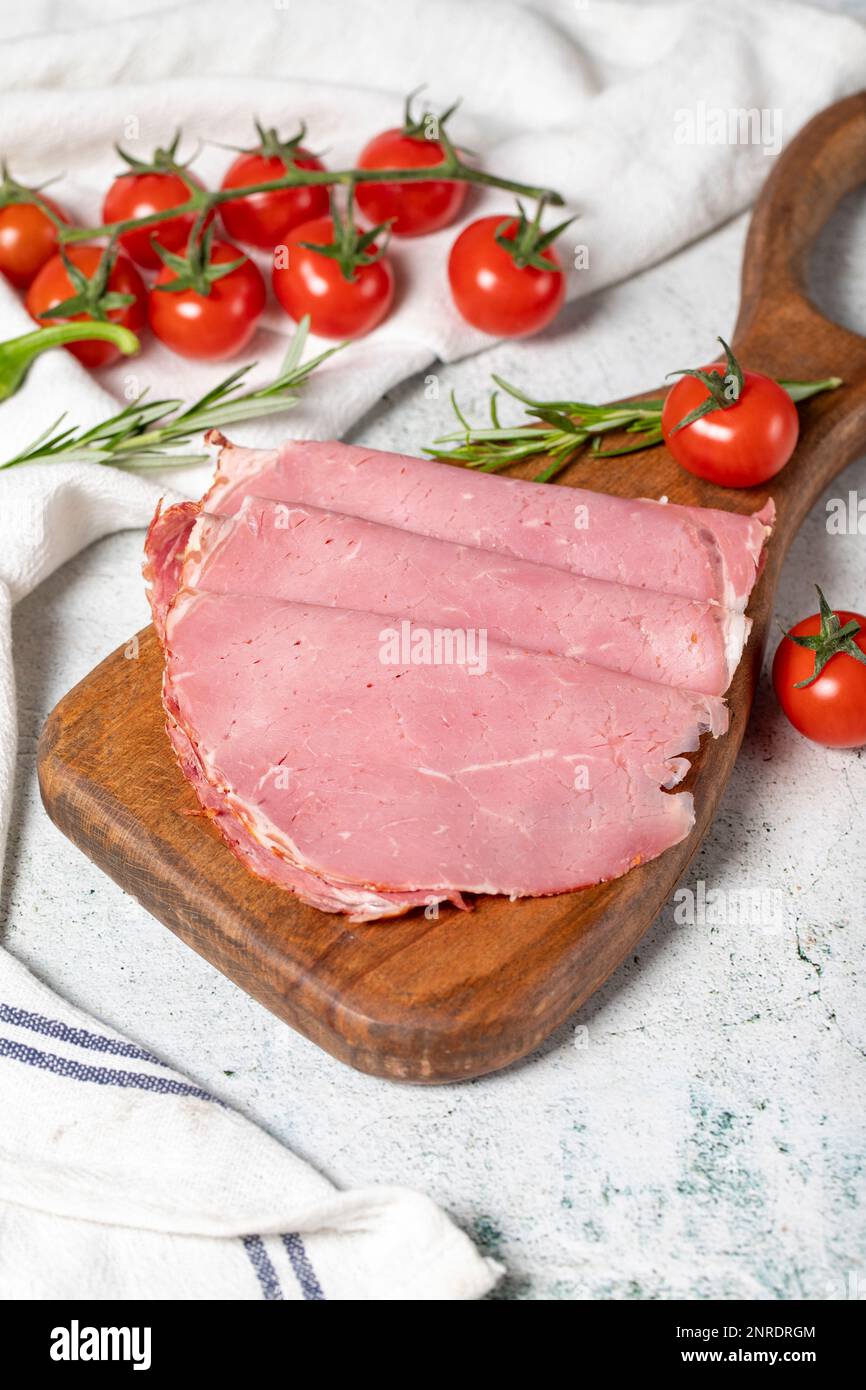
121, 1179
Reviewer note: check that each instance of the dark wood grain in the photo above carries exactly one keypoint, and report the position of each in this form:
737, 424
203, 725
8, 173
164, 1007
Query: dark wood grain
438, 1001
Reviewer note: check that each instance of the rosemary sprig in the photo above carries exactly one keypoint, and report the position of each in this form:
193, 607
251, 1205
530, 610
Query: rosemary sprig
558, 429
562, 430
154, 434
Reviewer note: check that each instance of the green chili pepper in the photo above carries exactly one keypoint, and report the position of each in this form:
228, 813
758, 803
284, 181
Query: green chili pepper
17, 354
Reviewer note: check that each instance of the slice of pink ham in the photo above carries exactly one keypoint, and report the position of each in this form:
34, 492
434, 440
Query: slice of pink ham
289, 551
696, 552
537, 776
164, 546
269, 860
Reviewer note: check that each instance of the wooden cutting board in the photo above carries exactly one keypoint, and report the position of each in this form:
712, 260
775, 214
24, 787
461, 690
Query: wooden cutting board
434, 1001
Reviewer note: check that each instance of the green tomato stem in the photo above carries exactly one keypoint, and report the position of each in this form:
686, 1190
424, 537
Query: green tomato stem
451, 168
804, 390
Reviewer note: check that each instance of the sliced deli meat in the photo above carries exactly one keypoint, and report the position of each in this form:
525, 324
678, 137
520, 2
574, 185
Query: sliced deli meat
292, 551
365, 774
696, 552
270, 861
392, 683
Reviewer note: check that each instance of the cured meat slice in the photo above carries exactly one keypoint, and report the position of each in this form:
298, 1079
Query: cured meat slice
289, 551
164, 547
269, 861
403, 777
348, 754
697, 552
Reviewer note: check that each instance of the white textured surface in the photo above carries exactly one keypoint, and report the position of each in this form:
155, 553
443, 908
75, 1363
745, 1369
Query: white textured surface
700, 1131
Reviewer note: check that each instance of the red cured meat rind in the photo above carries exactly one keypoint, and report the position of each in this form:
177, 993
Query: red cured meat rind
164, 550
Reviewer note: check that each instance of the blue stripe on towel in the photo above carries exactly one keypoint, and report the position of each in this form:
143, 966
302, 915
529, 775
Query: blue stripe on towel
261, 1263
54, 1028
161, 1085
102, 1076
304, 1272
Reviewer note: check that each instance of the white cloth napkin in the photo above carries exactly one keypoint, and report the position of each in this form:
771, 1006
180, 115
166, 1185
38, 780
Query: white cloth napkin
114, 1187
121, 1179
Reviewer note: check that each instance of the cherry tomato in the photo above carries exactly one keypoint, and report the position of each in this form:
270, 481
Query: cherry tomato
28, 238
738, 447
215, 325
53, 285
265, 219
412, 208
310, 283
832, 709
494, 293
139, 195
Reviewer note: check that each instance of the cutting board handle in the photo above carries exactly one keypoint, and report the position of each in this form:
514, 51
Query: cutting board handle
823, 163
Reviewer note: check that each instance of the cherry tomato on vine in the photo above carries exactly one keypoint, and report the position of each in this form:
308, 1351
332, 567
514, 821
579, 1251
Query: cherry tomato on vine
819, 675
28, 238
265, 219
140, 194
210, 325
492, 289
743, 429
413, 209
311, 281
57, 287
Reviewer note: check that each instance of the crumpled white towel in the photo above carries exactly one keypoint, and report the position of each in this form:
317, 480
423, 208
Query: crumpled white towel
581, 98
121, 1179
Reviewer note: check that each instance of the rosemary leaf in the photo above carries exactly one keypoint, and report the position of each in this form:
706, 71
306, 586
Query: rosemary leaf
149, 434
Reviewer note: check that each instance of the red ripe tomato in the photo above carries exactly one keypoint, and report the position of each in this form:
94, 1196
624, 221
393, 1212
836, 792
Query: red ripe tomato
310, 283
741, 446
139, 195
494, 293
53, 285
215, 325
28, 238
411, 208
831, 710
265, 219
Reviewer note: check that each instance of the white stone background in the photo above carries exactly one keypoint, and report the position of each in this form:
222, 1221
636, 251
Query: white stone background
698, 1130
